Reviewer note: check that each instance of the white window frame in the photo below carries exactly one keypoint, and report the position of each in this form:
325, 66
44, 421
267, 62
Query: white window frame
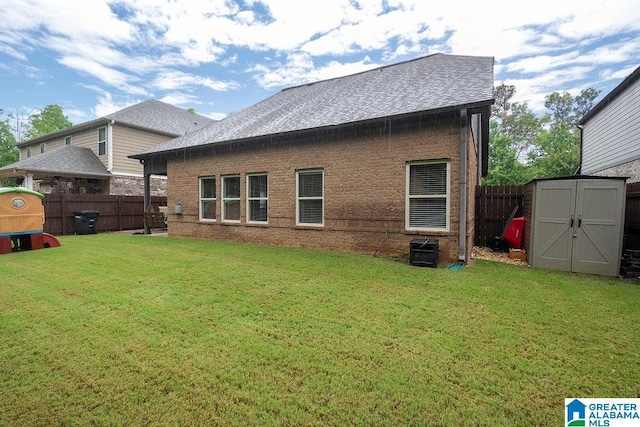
67, 140
446, 196
299, 199
208, 199
225, 200
104, 142
262, 199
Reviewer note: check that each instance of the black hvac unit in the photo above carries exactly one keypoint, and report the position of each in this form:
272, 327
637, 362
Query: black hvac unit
423, 253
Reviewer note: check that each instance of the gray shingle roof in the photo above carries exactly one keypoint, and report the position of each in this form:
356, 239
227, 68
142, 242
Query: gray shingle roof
158, 115
152, 115
434, 82
65, 160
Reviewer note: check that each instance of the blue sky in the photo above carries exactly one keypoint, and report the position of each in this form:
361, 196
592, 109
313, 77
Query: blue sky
94, 57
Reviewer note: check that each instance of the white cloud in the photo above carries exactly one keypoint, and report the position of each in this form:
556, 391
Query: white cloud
171, 80
106, 105
10, 51
137, 48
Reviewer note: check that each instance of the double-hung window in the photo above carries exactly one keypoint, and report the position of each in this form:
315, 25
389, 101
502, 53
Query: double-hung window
43, 148
310, 197
428, 195
102, 141
231, 198
208, 198
257, 198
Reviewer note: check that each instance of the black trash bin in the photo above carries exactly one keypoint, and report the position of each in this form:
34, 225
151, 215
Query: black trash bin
86, 222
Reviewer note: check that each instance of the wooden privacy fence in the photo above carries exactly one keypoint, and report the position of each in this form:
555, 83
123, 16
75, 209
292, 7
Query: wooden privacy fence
494, 204
115, 212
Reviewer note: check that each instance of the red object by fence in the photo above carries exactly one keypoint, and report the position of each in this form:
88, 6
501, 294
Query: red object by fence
513, 233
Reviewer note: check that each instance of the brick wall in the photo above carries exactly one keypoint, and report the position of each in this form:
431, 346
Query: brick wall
364, 187
124, 185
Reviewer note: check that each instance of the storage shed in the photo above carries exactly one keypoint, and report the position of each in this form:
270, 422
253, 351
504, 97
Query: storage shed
575, 223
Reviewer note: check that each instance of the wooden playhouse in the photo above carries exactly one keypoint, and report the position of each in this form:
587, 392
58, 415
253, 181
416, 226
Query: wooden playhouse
22, 221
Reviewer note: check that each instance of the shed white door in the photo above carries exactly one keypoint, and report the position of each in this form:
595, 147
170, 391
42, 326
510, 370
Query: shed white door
578, 225
555, 205
598, 227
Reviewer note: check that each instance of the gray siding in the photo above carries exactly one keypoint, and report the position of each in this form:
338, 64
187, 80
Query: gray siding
612, 137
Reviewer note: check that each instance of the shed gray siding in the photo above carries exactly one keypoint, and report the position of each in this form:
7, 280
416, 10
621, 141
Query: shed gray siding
612, 136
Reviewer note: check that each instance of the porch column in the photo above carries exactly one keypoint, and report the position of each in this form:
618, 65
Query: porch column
147, 198
28, 181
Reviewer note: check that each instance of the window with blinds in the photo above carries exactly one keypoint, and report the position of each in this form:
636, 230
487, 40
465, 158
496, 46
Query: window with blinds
208, 198
428, 196
310, 197
257, 198
231, 198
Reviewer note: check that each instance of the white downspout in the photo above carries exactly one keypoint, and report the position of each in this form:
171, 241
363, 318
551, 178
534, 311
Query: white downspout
110, 146
462, 237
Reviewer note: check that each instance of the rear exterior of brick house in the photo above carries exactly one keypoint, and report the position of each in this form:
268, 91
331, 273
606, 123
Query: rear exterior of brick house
367, 186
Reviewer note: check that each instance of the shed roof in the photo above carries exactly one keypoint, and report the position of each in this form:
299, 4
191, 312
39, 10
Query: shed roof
431, 83
65, 160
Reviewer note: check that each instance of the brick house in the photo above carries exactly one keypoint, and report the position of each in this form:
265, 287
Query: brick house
92, 157
610, 133
362, 163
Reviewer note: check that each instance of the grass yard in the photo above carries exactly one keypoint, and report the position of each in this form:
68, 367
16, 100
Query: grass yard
115, 329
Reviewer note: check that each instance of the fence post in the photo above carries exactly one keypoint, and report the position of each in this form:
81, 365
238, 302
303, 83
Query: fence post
63, 213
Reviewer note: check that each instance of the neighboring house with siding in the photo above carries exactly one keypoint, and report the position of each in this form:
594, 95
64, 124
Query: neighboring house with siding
92, 157
362, 163
610, 141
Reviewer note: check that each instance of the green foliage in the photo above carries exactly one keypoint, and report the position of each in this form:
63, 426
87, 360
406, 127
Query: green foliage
505, 168
9, 153
50, 119
543, 147
201, 332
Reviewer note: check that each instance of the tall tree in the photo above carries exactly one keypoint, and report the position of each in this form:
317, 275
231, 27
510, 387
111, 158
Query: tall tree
557, 149
49, 120
505, 168
502, 95
513, 129
8, 151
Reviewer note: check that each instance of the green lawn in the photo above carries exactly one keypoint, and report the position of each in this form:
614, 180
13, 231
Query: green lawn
115, 329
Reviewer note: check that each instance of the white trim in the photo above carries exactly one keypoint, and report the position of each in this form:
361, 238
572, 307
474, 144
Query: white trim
308, 171
201, 199
249, 198
110, 146
408, 197
98, 141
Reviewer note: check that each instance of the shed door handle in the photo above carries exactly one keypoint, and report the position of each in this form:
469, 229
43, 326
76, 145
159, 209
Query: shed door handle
579, 221
571, 226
